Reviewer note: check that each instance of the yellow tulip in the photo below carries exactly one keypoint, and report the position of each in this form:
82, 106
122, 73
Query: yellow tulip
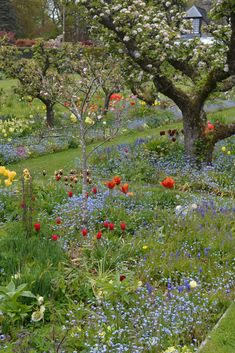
7, 182
2, 170
11, 175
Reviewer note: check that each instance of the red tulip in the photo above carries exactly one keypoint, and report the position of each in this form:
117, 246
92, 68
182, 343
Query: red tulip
116, 97
84, 232
58, 220
111, 226
168, 183
110, 184
123, 226
54, 237
117, 180
210, 126
106, 224
94, 190
70, 194
37, 227
58, 177
124, 188
122, 277
132, 103
99, 235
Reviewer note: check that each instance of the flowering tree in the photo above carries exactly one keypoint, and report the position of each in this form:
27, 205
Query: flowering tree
78, 89
149, 32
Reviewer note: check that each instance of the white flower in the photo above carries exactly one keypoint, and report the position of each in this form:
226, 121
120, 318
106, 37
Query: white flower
40, 300
137, 54
193, 284
226, 68
39, 314
126, 39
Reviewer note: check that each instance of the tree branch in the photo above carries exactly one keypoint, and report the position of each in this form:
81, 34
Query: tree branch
223, 131
164, 85
186, 69
227, 84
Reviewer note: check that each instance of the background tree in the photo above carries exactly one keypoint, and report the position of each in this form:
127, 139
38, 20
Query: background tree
33, 73
34, 19
74, 25
150, 34
8, 20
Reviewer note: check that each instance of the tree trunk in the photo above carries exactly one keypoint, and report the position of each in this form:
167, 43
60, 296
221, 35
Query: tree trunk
50, 114
84, 174
49, 110
198, 140
106, 102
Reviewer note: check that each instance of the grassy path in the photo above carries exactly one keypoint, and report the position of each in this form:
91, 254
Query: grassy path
222, 338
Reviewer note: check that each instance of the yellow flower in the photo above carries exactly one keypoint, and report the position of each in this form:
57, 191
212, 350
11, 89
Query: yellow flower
228, 153
171, 350
11, 175
73, 118
7, 182
145, 247
223, 149
89, 121
140, 283
2, 170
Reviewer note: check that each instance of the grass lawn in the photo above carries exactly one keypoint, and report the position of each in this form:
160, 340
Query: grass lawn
225, 116
7, 85
222, 339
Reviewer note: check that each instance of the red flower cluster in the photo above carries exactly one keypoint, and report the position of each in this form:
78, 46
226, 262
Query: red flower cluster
117, 181
116, 97
111, 226
168, 183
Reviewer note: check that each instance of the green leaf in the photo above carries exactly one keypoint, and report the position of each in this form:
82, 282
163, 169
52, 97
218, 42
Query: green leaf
11, 287
28, 294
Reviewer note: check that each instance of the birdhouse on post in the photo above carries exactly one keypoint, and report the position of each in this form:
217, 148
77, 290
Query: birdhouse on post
197, 15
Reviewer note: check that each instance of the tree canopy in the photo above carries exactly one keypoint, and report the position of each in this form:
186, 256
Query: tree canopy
187, 71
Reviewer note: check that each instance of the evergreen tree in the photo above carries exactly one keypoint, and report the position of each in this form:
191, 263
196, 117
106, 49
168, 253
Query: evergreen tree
7, 16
